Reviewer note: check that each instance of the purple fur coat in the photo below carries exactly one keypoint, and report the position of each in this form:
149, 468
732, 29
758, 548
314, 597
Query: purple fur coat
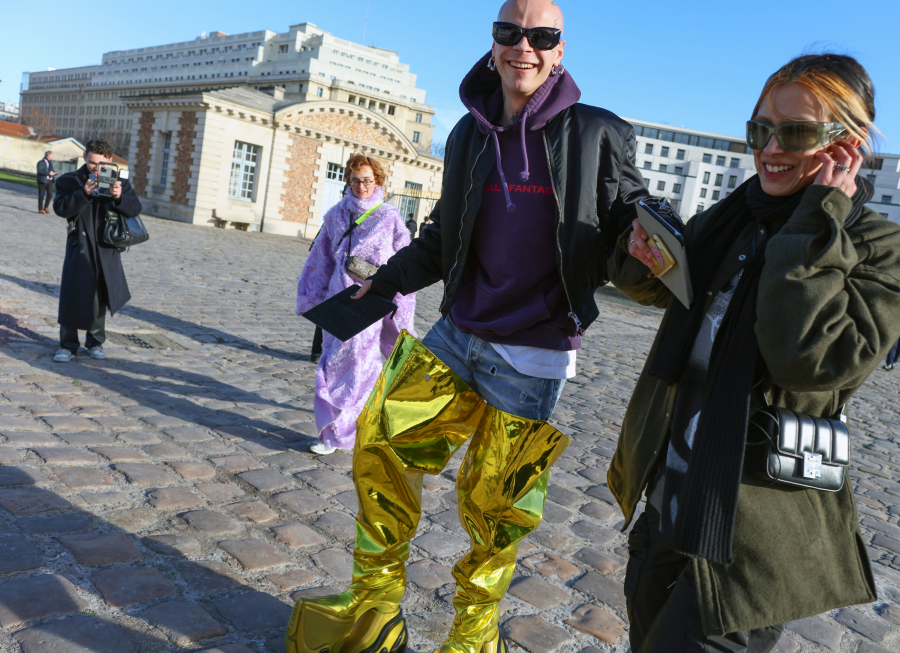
348, 370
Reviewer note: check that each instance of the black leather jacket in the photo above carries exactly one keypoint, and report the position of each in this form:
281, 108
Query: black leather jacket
590, 152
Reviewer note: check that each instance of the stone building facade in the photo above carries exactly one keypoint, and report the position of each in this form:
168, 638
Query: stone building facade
304, 64
245, 159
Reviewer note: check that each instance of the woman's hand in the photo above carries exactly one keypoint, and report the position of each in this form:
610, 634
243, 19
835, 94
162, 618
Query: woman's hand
363, 290
637, 244
845, 154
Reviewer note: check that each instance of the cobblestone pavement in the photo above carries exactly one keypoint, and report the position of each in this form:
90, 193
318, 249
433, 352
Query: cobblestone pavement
163, 499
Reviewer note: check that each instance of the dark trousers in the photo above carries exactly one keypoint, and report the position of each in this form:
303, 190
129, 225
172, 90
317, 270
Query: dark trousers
96, 335
317, 343
42, 189
662, 603
893, 354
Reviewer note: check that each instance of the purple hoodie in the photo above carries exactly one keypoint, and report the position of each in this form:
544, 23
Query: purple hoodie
511, 290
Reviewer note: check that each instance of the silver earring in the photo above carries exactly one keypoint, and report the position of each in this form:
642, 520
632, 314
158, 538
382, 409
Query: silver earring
557, 70
491, 64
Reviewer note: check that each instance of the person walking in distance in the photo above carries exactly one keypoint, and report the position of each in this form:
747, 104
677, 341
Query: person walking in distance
892, 356
92, 278
361, 225
425, 223
411, 225
536, 188
45, 177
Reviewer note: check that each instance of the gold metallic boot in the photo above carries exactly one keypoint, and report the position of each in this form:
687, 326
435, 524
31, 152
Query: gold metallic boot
502, 487
418, 415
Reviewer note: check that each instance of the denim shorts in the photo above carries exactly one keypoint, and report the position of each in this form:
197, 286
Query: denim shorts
489, 375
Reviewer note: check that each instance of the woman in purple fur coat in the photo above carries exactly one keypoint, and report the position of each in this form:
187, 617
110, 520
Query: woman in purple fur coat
348, 370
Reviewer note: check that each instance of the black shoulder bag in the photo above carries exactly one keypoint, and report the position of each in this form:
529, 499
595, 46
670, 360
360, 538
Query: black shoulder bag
784, 446
121, 232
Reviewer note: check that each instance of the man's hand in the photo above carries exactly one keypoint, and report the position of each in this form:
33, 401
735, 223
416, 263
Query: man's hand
363, 290
637, 244
116, 190
90, 187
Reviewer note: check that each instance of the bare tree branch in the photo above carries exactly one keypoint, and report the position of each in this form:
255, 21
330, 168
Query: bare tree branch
437, 147
40, 122
99, 129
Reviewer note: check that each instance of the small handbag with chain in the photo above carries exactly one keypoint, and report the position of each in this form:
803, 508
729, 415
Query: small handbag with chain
359, 268
121, 232
784, 446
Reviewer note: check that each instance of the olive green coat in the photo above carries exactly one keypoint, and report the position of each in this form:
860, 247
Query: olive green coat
827, 314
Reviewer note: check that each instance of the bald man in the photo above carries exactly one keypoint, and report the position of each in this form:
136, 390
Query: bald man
536, 189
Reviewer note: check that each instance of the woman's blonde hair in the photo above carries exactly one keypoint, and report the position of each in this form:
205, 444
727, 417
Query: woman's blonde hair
359, 160
841, 84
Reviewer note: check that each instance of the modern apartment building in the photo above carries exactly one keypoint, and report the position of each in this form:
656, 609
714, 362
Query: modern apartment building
9, 111
695, 169
884, 173
303, 64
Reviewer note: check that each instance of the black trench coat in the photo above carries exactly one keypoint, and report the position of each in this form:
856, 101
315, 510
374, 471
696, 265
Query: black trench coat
86, 256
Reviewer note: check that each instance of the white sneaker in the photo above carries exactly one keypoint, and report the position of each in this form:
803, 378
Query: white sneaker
321, 448
97, 352
63, 355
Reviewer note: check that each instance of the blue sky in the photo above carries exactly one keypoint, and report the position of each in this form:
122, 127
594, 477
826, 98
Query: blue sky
694, 64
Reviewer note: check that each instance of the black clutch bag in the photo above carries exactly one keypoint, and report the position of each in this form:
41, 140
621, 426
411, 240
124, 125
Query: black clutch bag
344, 317
121, 232
788, 447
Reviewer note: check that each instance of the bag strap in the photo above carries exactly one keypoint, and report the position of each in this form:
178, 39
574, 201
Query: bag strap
358, 222
841, 415
365, 215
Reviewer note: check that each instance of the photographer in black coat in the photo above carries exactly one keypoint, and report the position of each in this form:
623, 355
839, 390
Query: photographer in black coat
92, 278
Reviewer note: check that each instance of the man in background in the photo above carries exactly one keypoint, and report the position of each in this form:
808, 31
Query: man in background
892, 357
424, 224
45, 176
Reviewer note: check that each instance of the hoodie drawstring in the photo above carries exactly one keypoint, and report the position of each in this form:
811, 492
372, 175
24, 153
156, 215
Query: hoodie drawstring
524, 174
481, 93
510, 207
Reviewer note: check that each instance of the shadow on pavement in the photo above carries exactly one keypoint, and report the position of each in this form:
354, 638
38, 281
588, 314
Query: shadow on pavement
153, 391
59, 562
22, 189
169, 323
189, 601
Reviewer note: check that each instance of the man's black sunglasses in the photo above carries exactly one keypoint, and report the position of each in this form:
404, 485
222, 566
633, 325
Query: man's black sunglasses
541, 38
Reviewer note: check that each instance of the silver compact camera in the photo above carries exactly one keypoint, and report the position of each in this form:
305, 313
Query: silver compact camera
107, 175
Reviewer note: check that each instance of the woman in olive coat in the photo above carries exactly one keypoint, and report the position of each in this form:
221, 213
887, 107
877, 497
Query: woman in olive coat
796, 290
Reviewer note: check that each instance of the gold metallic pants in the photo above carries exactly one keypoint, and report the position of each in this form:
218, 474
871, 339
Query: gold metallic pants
419, 414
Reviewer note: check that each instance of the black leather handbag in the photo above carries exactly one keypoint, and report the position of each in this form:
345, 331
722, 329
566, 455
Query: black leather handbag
121, 232
797, 449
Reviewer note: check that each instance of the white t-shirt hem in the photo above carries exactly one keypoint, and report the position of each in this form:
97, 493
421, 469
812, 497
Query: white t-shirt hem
538, 362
